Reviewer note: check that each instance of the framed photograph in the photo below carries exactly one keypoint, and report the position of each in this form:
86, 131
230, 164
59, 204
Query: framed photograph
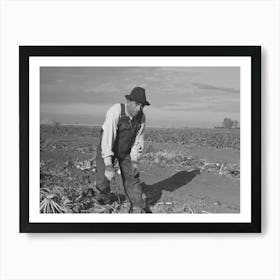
140, 139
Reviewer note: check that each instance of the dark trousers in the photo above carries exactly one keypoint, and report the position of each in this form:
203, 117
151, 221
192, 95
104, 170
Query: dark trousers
131, 181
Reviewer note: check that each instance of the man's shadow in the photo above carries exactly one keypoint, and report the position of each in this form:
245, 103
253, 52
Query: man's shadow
154, 192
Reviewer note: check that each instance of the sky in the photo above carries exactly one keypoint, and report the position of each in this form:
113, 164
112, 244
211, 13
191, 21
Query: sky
179, 96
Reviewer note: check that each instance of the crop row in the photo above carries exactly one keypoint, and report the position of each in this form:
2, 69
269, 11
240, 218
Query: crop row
176, 159
214, 138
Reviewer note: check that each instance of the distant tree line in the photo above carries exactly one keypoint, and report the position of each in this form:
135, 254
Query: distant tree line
229, 123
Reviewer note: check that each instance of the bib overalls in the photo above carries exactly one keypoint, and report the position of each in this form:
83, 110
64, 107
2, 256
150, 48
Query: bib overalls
126, 134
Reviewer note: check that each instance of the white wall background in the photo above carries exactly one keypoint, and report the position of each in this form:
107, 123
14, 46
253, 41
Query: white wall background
139, 256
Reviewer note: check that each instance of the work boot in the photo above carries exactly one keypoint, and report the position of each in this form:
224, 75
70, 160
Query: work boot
105, 198
139, 210
147, 210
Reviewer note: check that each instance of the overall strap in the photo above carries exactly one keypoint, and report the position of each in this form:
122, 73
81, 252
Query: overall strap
122, 109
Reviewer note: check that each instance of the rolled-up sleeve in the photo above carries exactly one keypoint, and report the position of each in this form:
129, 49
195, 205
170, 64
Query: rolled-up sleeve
109, 128
138, 146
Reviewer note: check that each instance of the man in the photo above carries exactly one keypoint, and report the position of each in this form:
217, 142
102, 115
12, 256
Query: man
122, 138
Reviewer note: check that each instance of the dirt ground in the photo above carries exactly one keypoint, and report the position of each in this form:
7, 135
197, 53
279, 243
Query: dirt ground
176, 178
177, 189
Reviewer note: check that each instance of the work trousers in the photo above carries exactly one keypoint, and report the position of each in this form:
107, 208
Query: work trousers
131, 181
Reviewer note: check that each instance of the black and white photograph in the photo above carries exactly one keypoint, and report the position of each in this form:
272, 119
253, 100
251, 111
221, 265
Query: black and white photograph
150, 131
140, 140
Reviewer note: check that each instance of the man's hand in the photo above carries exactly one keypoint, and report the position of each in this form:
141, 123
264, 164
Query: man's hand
109, 172
135, 170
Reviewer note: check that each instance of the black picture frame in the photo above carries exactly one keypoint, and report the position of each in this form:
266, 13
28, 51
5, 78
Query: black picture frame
254, 52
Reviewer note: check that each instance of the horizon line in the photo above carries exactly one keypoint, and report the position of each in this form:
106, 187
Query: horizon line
93, 125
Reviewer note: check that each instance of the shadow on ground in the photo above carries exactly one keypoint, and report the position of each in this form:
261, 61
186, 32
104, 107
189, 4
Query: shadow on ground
154, 192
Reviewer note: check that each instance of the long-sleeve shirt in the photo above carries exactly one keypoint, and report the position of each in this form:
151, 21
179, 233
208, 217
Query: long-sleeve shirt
110, 127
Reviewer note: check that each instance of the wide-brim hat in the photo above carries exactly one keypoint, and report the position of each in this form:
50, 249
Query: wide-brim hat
138, 95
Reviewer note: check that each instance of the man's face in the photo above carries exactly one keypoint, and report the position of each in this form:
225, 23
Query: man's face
134, 107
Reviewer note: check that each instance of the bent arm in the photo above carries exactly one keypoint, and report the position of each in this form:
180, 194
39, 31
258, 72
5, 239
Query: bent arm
109, 128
